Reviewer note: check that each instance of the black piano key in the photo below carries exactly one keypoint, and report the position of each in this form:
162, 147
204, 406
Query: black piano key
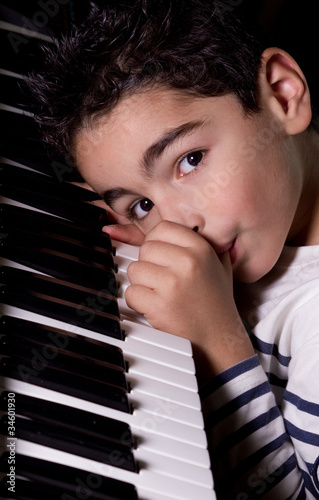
11, 93
52, 338
13, 216
91, 424
13, 127
73, 385
59, 245
72, 441
49, 476
13, 178
28, 353
20, 53
74, 210
83, 317
61, 266
59, 289
28, 148
29, 490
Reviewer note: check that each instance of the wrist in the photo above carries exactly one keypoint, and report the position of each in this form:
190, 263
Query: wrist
221, 352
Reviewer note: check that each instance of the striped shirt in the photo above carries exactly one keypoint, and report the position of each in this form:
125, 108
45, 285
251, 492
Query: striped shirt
262, 415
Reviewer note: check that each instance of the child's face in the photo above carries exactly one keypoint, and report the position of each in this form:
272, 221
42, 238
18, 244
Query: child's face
201, 163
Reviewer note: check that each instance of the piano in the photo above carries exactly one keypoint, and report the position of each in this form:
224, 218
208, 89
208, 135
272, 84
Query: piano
95, 404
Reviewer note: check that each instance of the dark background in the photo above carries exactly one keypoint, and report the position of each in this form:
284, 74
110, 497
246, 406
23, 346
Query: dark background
291, 24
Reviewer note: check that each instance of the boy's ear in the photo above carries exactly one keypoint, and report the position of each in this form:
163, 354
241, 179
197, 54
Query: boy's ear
284, 87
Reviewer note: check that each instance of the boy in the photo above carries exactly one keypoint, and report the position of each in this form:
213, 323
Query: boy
202, 143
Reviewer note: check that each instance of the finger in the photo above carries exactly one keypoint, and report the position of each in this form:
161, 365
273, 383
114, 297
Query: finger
173, 233
141, 299
126, 234
147, 274
162, 253
225, 260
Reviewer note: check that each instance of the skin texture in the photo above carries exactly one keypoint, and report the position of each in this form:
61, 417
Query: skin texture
217, 203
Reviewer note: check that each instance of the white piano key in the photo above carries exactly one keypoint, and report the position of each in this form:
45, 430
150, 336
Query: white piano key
175, 418
16, 265
132, 345
143, 333
180, 378
126, 312
158, 338
8, 161
144, 386
170, 410
22, 30
140, 377
11, 73
140, 383
146, 390
146, 481
15, 203
175, 469
13, 109
152, 431
124, 251
145, 363
155, 353
166, 477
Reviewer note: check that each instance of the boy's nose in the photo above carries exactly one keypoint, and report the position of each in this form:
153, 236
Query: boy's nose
183, 214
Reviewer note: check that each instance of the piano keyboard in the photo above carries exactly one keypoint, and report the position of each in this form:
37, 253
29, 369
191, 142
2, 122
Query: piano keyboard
99, 405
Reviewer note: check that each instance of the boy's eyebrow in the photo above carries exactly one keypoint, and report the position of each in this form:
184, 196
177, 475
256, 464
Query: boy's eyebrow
151, 154
156, 149
111, 195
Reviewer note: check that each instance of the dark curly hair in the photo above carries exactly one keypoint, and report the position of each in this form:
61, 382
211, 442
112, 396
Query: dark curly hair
124, 46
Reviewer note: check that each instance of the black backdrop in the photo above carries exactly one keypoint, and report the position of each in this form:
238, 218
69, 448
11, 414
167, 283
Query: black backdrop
292, 24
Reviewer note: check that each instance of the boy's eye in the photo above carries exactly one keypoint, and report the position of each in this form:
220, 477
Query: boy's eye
141, 208
191, 161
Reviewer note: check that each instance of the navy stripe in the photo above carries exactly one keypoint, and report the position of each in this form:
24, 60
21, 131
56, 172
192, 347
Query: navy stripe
257, 457
237, 403
302, 404
242, 433
308, 481
256, 486
302, 435
276, 477
276, 381
314, 472
227, 375
302, 494
271, 349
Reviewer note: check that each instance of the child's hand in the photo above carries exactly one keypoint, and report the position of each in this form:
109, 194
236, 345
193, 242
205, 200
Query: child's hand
127, 233
120, 228
183, 287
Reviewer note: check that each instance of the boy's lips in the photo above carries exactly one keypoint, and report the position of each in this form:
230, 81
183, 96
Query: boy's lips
229, 247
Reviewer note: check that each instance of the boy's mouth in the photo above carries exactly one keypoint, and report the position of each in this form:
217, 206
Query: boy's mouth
230, 247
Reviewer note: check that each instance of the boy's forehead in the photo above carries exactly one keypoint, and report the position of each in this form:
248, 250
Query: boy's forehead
140, 125
143, 114
160, 106
137, 115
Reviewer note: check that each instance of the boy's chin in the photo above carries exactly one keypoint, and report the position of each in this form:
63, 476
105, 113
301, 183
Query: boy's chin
250, 274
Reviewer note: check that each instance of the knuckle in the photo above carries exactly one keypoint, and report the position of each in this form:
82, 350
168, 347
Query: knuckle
131, 270
164, 224
128, 295
172, 284
159, 229
189, 264
145, 249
